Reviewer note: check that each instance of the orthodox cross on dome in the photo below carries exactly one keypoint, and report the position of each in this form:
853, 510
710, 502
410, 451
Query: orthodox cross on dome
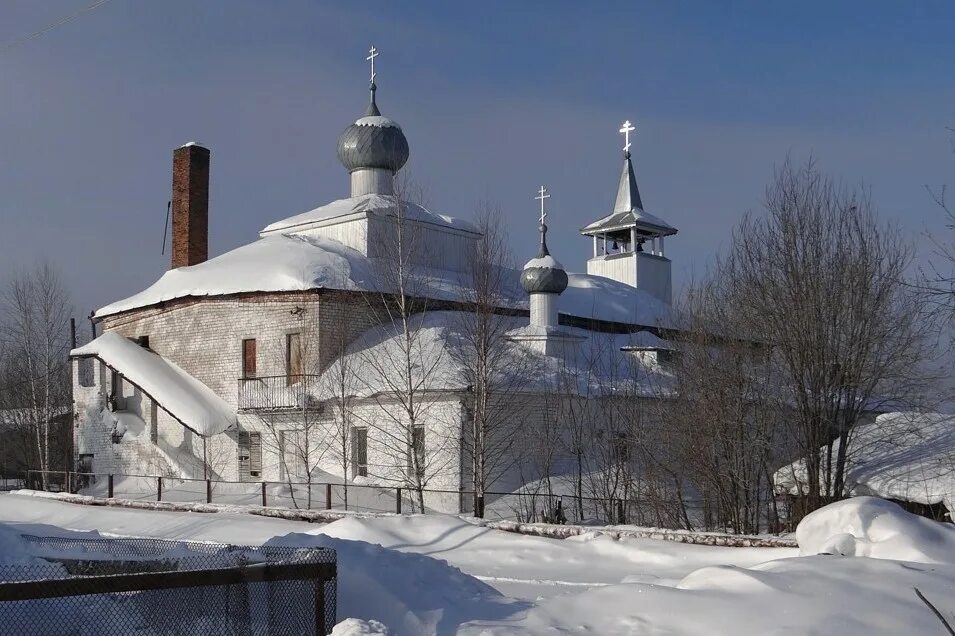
626, 130
542, 194
373, 53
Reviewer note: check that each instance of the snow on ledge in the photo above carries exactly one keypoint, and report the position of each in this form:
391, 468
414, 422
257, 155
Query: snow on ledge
548, 262
564, 531
187, 399
378, 121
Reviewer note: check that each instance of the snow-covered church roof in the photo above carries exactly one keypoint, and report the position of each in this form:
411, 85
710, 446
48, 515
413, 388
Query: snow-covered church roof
184, 397
365, 205
599, 364
315, 249
282, 263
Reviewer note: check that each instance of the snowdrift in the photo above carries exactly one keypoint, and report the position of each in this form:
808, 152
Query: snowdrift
872, 527
820, 594
358, 627
412, 595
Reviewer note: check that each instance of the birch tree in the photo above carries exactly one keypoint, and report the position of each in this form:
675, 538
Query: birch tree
293, 423
340, 389
35, 329
489, 364
401, 375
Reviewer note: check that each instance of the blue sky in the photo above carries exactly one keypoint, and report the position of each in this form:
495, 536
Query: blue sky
496, 98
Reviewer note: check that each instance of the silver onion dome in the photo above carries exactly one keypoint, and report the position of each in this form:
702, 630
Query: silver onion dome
543, 274
373, 141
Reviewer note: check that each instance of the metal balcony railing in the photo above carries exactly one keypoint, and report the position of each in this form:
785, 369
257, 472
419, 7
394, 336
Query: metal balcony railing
278, 392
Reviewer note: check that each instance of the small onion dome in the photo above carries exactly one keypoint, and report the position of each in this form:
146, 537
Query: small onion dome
543, 274
373, 141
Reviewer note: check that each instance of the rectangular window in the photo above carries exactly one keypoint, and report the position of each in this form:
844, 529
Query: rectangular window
250, 455
359, 451
115, 384
85, 463
86, 370
248, 358
293, 357
116, 400
417, 449
143, 341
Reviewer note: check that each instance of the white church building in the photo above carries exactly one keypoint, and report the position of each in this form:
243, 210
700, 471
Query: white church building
293, 358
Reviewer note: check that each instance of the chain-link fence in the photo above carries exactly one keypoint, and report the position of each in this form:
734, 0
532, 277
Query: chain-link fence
98, 587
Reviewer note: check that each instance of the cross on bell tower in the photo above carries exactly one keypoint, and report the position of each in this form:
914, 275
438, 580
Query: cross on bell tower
628, 242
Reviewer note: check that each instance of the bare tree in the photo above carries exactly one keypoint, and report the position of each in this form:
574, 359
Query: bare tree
293, 424
401, 375
939, 281
538, 455
36, 379
724, 418
340, 388
578, 390
490, 365
617, 422
822, 283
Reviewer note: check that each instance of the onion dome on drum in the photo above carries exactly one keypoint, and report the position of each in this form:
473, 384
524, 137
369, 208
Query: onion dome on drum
373, 142
543, 274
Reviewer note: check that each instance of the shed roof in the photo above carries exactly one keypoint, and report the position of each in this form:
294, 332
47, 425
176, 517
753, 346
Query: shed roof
184, 397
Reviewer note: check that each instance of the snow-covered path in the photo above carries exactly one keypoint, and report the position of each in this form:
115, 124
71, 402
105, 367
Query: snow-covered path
519, 566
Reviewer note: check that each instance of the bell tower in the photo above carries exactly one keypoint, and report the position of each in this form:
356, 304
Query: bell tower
628, 242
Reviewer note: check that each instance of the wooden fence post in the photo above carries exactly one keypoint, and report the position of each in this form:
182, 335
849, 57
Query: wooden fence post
158, 488
264, 502
328, 496
398, 500
109, 486
208, 491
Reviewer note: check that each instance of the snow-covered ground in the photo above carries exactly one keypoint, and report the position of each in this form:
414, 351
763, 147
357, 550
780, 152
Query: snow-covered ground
393, 570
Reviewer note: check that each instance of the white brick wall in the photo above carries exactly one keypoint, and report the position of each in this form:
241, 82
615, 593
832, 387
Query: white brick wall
204, 338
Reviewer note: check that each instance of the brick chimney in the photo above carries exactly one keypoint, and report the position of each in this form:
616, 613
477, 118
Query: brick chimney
190, 205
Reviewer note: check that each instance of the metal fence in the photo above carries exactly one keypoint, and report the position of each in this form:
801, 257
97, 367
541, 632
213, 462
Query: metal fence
523, 506
14, 482
95, 587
